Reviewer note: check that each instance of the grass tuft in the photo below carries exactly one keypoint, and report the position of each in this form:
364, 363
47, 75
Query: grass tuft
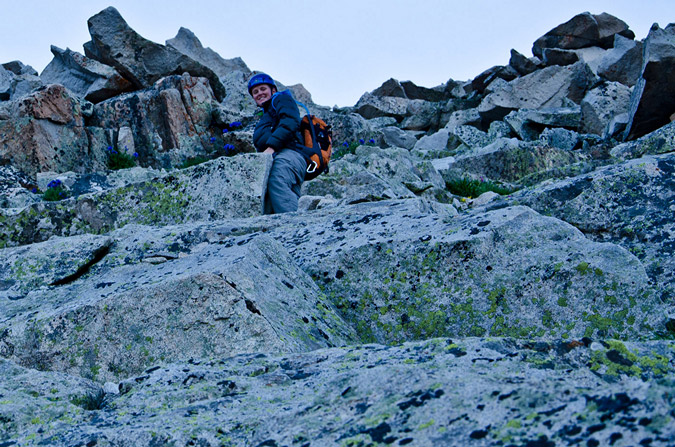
90, 401
471, 188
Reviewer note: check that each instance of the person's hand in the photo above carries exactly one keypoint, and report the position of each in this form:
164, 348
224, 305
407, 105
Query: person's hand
269, 150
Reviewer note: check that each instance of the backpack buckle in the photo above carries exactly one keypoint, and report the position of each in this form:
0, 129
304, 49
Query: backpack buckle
311, 167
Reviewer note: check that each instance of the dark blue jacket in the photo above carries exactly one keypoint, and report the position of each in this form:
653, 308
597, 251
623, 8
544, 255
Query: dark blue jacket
279, 126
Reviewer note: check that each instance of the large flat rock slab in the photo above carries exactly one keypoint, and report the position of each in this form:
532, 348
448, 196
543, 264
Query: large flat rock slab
123, 316
437, 392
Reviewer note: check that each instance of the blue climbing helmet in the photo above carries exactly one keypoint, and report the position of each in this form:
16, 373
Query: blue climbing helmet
260, 78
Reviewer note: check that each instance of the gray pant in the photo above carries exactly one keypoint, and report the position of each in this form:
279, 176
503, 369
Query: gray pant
284, 182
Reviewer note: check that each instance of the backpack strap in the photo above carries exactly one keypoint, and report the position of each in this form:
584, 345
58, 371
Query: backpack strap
274, 96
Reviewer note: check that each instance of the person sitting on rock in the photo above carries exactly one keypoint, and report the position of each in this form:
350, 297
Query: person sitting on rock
278, 133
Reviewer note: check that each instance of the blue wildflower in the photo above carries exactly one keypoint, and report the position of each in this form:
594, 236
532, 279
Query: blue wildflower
54, 184
345, 144
371, 141
109, 149
362, 141
34, 190
225, 131
236, 124
213, 139
135, 154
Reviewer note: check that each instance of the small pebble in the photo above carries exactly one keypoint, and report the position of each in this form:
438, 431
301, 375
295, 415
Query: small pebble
111, 388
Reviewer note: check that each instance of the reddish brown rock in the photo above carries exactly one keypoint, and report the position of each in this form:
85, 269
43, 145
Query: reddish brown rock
38, 145
45, 131
54, 103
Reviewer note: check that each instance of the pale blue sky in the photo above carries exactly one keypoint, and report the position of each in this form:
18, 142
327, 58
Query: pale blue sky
338, 49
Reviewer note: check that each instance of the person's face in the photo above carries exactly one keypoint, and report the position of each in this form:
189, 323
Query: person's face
261, 94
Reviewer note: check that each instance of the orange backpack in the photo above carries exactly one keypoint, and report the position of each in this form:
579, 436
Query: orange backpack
318, 140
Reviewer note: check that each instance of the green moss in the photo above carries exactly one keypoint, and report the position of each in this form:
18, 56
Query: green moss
157, 202
634, 365
497, 299
610, 299
547, 319
514, 424
376, 419
597, 323
477, 331
426, 425
658, 364
582, 268
562, 301
356, 441
620, 317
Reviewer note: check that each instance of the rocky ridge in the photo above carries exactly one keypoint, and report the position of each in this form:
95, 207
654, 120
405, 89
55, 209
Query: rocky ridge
156, 305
